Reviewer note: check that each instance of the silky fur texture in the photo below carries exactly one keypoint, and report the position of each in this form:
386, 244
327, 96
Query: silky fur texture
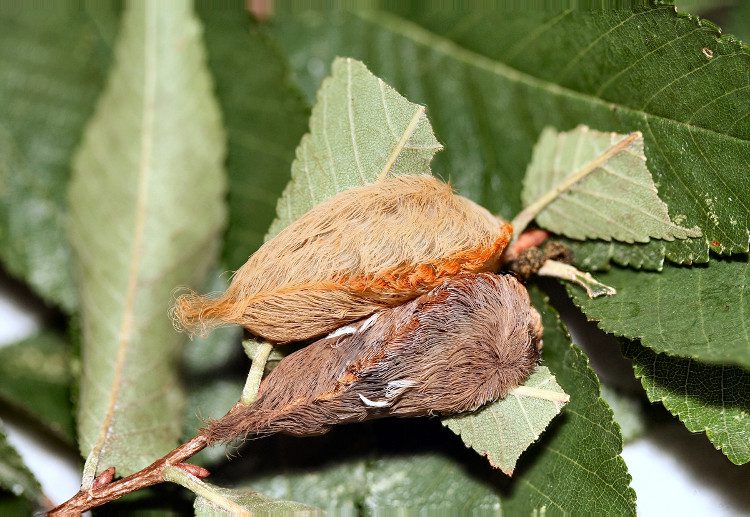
365, 249
465, 343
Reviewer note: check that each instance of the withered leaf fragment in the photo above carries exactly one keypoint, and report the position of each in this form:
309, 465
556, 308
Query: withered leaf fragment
465, 343
363, 250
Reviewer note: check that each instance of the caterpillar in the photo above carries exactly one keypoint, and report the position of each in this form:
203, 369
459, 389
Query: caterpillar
365, 249
467, 342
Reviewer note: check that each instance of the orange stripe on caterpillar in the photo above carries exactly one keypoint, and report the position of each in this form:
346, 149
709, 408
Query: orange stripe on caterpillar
365, 249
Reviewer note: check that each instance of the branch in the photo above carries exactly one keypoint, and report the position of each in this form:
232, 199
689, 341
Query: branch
103, 490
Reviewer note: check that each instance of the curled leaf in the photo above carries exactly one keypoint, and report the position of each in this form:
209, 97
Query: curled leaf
468, 342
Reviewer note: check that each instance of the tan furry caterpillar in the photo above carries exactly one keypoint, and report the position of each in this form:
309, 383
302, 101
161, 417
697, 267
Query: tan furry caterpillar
363, 250
465, 343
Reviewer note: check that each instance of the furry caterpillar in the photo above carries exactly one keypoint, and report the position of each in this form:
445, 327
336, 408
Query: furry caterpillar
465, 343
363, 250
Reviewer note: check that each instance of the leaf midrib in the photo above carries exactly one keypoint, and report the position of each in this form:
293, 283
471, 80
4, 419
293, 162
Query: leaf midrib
437, 43
134, 268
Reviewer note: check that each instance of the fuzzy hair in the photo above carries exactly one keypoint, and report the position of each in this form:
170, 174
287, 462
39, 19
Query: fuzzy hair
365, 249
465, 343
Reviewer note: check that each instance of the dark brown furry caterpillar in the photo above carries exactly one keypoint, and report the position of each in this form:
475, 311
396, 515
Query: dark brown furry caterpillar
463, 344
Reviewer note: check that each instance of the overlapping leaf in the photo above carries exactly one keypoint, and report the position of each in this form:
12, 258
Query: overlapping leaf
504, 429
35, 377
707, 398
702, 312
360, 129
493, 82
614, 196
147, 211
52, 66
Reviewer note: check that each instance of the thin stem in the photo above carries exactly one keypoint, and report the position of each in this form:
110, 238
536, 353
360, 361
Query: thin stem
87, 499
204, 490
259, 357
528, 214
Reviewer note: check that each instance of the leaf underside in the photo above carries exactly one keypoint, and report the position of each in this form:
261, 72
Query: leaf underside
707, 398
151, 155
616, 200
254, 502
360, 129
502, 430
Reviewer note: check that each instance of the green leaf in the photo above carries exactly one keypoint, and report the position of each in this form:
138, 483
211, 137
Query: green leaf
702, 312
254, 502
595, 185
707, 398
14, 475
739, 21
493, 81
52, 66
265, 117
586, 445
378, 469
360, 130
35, 378
13, 505
147, 211
504, 429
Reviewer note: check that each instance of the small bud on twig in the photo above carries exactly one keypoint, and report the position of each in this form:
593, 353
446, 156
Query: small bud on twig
105, 478
194, 470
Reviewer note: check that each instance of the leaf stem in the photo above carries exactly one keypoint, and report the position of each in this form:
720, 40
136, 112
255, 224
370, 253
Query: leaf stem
528, 214
198, 487
258, 353
539, 393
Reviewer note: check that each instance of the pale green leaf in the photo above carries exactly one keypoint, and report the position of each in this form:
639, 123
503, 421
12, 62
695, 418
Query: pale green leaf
252, 502
53, 62
360, 129
612, 197
147, 210
702, 312
708, 399
35, 378
504, 429
15, 477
